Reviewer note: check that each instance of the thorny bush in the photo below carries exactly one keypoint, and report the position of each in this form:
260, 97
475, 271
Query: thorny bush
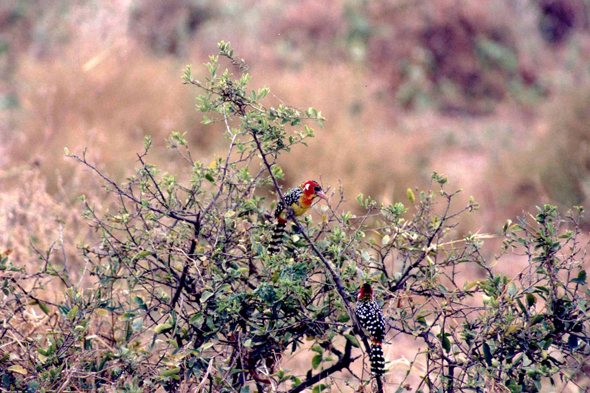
183, 294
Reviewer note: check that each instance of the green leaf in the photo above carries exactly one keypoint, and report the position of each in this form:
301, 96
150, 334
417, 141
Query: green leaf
315, 361
319, 388
126, 316
163, 328
277, 171
515, 388
206, 346
242, 270
440, 179
511, 329
470, 285
547, 344
353, 340
317, 349
487, 354
446, 344
521, 306
142, 254
343, 318
170, 372
506, 226
32, 387
206, 295
421, 320
512, 289
17, 369
137, 324
410, 195
581, 279
73, 312
44, 307
531, 300
536, 319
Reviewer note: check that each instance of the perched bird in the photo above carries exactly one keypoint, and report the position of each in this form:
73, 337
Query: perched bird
371, 318
298, 201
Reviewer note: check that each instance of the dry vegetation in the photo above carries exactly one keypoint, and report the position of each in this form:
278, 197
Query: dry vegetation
492, 93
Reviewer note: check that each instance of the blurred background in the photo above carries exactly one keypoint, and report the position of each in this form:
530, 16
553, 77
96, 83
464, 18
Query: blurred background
494, 94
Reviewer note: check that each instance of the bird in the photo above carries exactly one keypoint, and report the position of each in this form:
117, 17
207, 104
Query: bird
371, 319
298, 200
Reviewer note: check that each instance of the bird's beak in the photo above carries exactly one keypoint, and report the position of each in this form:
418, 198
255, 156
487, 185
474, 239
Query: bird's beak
322, 195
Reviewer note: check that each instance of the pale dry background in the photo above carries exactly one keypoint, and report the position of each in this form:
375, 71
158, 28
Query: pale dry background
495, 94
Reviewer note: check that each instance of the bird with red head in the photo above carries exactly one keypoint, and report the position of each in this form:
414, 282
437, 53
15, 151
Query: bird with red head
371, 319
298, 201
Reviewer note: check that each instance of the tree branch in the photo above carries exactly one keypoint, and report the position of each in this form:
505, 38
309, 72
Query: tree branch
190, 254
343, 362
335, 277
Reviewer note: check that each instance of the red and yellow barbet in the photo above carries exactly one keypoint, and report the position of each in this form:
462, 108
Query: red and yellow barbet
371, 318
298, 201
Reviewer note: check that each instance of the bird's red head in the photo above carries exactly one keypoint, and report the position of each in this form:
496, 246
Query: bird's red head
312, 189
366, 292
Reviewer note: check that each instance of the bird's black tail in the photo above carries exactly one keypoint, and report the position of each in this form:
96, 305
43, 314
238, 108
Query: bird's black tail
277, 237
377, 359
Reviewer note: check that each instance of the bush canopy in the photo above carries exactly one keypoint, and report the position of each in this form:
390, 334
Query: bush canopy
183, 294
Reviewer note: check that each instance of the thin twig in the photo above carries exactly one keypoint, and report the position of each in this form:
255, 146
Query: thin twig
205, 376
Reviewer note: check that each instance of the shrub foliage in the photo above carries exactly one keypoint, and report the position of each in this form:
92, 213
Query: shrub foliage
184, 295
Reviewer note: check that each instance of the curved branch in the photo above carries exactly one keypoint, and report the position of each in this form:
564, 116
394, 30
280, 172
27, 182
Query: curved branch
335, 277
343, 362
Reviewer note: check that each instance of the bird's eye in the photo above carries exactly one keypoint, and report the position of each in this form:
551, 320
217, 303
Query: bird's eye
316, 189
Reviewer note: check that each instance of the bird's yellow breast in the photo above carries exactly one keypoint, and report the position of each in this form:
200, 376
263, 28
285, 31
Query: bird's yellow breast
299, 208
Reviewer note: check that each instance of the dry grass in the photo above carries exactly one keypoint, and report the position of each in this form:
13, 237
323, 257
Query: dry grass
37, 223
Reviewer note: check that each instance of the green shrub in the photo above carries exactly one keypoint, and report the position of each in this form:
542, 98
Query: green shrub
185, 295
